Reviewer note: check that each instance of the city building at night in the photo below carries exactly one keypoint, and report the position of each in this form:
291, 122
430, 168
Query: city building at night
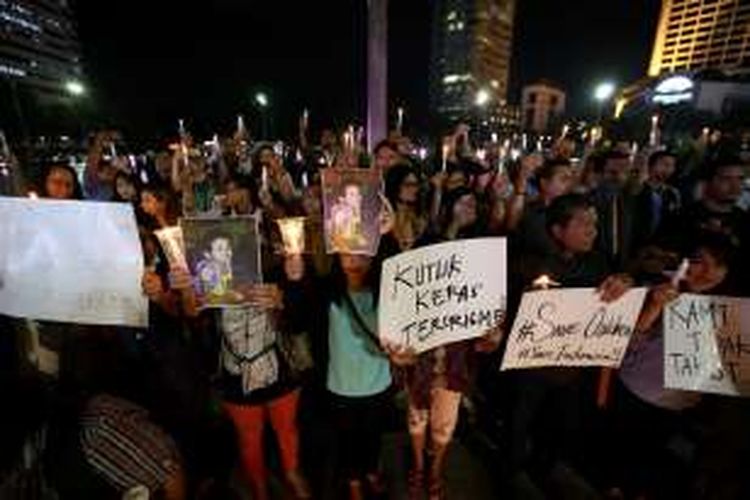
39, 48
542, 106
471, 49
702, 34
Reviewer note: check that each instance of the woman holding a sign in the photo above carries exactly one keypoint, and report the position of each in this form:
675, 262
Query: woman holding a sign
358, 374
676, 353
436, 379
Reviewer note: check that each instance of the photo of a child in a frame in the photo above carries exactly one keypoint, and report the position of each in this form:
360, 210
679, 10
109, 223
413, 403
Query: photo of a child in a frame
223, 258
352, 207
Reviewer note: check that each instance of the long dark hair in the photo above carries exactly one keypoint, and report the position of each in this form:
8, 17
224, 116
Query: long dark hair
338, 279
77, 189
395, 178
446, 210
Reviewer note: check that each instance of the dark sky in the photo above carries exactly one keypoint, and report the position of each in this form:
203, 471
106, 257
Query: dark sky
150, 62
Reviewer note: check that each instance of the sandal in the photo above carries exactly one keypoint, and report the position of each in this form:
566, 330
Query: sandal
436, 489
416, 484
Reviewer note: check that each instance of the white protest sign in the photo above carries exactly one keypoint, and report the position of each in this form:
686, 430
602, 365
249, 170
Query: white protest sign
572, 327
707, 344
71, 261
443, 293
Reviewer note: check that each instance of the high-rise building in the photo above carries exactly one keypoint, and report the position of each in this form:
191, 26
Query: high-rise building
702, 34
471, 50
542, 106
39, 48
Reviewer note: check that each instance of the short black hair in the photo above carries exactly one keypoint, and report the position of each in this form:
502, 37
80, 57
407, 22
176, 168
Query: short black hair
385, 143
601, 160
563, 208
549, 168
657, 156
712, 168
721, 247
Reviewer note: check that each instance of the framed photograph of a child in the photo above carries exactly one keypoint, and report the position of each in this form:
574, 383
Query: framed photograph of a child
352, 206
224, 258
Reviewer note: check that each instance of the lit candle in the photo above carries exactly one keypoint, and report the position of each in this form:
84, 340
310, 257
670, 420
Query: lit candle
565, 130
633, 151
494, 137
264, 178
305, 182
305, 117
240, 124
446, 149
181, 128
681, 272
544, 282
33, 195
481, 154
400, 119
112, 150
653, 138
524, 142
539, 146
705, 134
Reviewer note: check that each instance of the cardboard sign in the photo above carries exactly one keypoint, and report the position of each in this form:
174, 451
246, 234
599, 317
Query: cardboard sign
707, 344
71, 261
443, 293
351, 210
223, 255
572, 327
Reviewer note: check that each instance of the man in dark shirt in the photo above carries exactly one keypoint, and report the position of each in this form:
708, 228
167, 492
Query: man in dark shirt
715, 212
545, 419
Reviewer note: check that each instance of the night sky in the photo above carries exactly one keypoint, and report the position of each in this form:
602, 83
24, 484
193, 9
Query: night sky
149, 63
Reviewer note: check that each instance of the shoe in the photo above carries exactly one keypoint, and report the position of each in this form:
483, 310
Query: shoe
298, 484
416, 484
435, 489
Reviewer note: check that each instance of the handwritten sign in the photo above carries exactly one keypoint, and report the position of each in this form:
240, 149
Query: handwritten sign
443, 293
572, 327
71, 261
707, 344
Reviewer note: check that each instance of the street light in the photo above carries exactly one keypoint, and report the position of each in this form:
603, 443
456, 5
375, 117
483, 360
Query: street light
261, 99
482, 98
604, 91
75, 88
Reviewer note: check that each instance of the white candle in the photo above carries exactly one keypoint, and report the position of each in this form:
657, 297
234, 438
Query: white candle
240, 124
305, 117
494, 137
524, 142
304, 180
264, 178
446, 148
181, 127
681, 272
539, 146
565, 129
400, 120
653, 138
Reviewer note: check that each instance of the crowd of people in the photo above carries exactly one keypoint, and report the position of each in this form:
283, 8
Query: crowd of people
174, 409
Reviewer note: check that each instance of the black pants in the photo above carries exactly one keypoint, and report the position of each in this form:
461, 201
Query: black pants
359, 429
545, 420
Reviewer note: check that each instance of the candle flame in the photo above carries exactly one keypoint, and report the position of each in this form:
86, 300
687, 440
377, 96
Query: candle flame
544, 282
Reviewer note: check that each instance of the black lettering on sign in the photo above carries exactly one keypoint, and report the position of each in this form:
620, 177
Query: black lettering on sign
425, 328
685, 365
425, 273
696, 313
434, 298
603, 325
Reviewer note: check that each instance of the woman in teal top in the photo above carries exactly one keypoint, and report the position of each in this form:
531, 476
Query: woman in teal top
357, 371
